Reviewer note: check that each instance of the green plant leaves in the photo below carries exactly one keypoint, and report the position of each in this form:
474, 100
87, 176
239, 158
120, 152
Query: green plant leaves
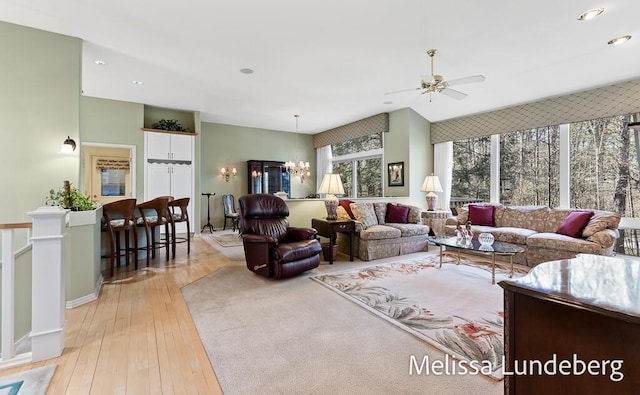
170, 125
77, 202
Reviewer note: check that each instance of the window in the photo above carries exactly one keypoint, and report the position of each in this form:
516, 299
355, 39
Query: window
471, 169
604, 172
113, 182
359, 163
530, 167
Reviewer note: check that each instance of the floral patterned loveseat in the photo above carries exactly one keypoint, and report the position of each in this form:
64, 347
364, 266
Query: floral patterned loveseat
543, 230
383, 229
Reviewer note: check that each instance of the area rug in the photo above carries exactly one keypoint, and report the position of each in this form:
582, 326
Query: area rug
455, 309
30, 382
227, 239
293, 336
233, 252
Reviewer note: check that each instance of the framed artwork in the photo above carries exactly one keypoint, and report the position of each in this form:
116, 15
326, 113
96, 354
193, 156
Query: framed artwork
395, 176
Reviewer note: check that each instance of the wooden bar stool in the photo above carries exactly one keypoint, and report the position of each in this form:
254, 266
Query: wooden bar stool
155, 213
177, 217
120, 216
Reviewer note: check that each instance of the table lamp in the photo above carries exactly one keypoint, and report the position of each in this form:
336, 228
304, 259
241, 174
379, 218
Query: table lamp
331, 185
431, 184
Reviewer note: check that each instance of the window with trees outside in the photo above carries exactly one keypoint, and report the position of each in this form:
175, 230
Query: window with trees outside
359, 163
529, 167
471, 169
603, 170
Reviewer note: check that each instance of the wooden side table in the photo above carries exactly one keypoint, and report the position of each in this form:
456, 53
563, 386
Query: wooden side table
436, 220
330, 228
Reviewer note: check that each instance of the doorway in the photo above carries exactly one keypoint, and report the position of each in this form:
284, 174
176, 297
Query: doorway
108, 171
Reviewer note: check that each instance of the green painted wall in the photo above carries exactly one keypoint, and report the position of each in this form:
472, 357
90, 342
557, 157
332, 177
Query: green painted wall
420, 157
39, 108
408, 142
232, 146
115, 122
396, 149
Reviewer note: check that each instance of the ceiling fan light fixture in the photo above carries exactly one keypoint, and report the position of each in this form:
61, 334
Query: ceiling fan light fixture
619, 40
590, 14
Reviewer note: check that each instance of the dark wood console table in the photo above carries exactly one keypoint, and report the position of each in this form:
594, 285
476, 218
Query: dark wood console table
330, 228
583, 309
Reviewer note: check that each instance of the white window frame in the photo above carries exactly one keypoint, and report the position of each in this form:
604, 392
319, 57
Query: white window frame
356, 156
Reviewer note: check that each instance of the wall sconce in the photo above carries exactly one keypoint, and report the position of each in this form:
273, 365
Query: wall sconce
228, 174
68, 146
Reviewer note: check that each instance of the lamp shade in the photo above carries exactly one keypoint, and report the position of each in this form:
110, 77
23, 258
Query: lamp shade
331, 184
431, 184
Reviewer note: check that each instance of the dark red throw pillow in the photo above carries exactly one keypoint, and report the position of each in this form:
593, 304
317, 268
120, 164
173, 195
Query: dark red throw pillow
574, 224
481, 214
346, 204
396, 214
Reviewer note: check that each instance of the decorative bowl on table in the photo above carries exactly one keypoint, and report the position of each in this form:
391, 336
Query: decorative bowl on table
485, 239
485, 247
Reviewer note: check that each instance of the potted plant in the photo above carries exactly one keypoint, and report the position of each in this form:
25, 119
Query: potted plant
170, 125
71, 198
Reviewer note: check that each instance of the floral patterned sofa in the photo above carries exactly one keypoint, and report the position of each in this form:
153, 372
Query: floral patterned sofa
383, 229
547, 233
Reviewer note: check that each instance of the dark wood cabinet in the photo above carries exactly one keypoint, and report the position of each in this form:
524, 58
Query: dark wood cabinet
267, 177
579, 318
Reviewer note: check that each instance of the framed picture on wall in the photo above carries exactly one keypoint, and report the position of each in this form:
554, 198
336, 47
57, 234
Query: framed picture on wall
395, 176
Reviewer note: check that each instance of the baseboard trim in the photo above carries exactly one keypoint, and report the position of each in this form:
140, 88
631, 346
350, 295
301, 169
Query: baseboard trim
72, 304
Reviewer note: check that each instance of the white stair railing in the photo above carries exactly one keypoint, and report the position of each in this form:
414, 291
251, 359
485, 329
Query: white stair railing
47, 287
8, 292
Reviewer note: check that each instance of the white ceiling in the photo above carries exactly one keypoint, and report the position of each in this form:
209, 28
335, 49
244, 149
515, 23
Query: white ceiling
331, 61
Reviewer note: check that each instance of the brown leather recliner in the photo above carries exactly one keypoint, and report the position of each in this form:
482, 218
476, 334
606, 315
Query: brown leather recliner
271, 247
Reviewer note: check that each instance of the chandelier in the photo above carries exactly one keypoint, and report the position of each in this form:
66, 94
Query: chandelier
298, 168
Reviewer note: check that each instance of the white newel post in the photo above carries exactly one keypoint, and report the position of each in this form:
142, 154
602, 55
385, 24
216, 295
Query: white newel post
47, 316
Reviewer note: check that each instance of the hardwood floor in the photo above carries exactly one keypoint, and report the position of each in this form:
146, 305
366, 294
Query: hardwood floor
138, 337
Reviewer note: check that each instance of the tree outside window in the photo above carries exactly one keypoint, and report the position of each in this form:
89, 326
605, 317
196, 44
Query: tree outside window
359, 163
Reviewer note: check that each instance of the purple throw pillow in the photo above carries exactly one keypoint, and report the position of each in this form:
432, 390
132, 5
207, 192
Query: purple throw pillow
481, 214
397, 214
574, 224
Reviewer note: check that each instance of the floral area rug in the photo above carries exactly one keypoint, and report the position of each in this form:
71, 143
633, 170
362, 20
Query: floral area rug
227, 239
455, 308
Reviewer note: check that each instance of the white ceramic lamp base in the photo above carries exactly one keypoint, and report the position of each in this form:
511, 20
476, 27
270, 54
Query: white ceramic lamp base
432, 199
331, 204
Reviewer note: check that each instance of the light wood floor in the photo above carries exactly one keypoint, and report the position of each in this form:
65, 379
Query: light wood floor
138, 337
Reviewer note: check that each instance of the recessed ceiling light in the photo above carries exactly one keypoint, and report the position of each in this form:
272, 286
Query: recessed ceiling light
619, 40
246, 71
388, 102
100, 62
592, 13
137, 82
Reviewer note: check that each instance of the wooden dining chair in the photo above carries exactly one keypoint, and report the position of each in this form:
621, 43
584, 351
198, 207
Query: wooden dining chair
180, 213
153, 214
120, 216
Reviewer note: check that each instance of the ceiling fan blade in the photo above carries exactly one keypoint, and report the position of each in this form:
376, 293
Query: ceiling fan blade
454, 94
404, 90
466, 80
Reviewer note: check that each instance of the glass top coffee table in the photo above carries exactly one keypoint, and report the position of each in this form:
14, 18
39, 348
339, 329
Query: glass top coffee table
497, 248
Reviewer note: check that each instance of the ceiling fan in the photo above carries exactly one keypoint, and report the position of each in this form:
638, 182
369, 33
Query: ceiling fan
436, 84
